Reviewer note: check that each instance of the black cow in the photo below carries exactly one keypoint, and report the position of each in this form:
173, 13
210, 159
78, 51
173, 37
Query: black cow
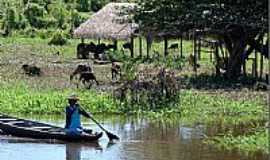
31, 70
111, 46
83, 50
174, 46
127, 45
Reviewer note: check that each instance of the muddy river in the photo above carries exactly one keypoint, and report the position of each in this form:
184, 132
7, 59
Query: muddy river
140, 140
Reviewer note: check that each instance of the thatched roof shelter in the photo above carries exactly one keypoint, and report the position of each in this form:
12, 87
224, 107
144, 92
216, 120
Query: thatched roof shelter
114, 22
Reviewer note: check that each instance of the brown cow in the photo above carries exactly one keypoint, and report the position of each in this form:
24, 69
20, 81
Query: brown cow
86, 76
115, 70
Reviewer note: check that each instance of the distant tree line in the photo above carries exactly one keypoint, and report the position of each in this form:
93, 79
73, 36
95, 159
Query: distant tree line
240, 24
25, 16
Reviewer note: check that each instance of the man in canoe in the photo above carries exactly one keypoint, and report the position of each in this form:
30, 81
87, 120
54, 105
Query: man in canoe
73, 120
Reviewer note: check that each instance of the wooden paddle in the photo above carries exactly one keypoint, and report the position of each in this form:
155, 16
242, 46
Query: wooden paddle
110, 135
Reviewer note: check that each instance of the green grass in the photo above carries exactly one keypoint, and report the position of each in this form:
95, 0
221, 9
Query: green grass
24, 100
192, 108
259, 141
235, 119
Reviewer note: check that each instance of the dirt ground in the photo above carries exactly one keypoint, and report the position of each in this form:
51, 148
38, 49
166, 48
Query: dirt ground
56, 70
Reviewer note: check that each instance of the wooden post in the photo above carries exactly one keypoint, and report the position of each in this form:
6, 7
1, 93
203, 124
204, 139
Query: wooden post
261, 62
244, 68
132, 47
165, 46
199, 48
195, 51
99, 41
217, 59
181, 45
140, 45
115, 43
256, 64
147, 48
261, 67
212, 50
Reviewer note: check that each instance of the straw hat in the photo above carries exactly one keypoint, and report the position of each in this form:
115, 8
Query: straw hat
73, 97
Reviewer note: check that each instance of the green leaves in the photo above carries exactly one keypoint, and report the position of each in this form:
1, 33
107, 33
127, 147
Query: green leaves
247, 143
174, 15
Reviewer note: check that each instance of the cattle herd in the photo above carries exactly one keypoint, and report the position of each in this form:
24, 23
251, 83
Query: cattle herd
84, 49
83, 73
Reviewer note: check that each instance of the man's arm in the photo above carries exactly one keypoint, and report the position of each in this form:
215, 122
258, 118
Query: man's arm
84, 113
68, 117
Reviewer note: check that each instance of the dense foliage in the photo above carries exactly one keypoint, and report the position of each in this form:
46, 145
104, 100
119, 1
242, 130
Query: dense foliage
168, 15
45, 14
238, 24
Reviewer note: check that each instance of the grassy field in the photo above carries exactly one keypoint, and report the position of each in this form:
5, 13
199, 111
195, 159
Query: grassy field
237, 111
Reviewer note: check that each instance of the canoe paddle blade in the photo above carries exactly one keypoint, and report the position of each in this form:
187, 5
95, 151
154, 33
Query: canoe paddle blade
112, 136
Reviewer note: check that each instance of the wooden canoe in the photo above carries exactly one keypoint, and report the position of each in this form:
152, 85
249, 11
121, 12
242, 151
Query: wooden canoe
32, 129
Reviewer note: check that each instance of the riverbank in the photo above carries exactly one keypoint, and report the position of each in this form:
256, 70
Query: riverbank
234, 113
238, 123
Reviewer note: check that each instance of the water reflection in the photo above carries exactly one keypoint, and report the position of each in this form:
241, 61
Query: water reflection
140, 140
74, 150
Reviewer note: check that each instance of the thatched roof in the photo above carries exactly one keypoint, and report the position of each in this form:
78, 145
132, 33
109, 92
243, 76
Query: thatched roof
114, 21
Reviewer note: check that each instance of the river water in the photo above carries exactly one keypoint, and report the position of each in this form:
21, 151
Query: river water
140, 140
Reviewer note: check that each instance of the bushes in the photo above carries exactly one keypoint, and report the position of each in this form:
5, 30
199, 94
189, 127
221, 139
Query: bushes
83, 5
97, 5
78, 18
58, 39
59, 13
44, 14
34, 13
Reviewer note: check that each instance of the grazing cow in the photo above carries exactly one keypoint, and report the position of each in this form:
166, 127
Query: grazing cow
174, 46
85, 75
84, 49
100, 49
80, 68
127, 45
115, 70
111, 46
31, 70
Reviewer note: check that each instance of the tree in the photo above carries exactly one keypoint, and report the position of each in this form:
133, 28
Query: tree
59, 13
34, 14
83, 5
9, 21
238, 23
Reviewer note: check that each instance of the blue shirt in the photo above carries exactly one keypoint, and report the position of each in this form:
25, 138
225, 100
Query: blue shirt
73, 119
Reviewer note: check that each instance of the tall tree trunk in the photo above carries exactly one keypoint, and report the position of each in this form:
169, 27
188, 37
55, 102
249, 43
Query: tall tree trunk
235, 39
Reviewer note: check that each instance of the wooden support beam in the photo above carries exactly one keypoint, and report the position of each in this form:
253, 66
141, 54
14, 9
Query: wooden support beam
199, 48
261, 61
244, 68
140, 46
181, 46
256, 64
195, 51
166, 46
115, 43
147, 48
132, 47
261, 67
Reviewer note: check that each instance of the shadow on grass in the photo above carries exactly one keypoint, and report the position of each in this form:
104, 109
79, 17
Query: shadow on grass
206, 82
